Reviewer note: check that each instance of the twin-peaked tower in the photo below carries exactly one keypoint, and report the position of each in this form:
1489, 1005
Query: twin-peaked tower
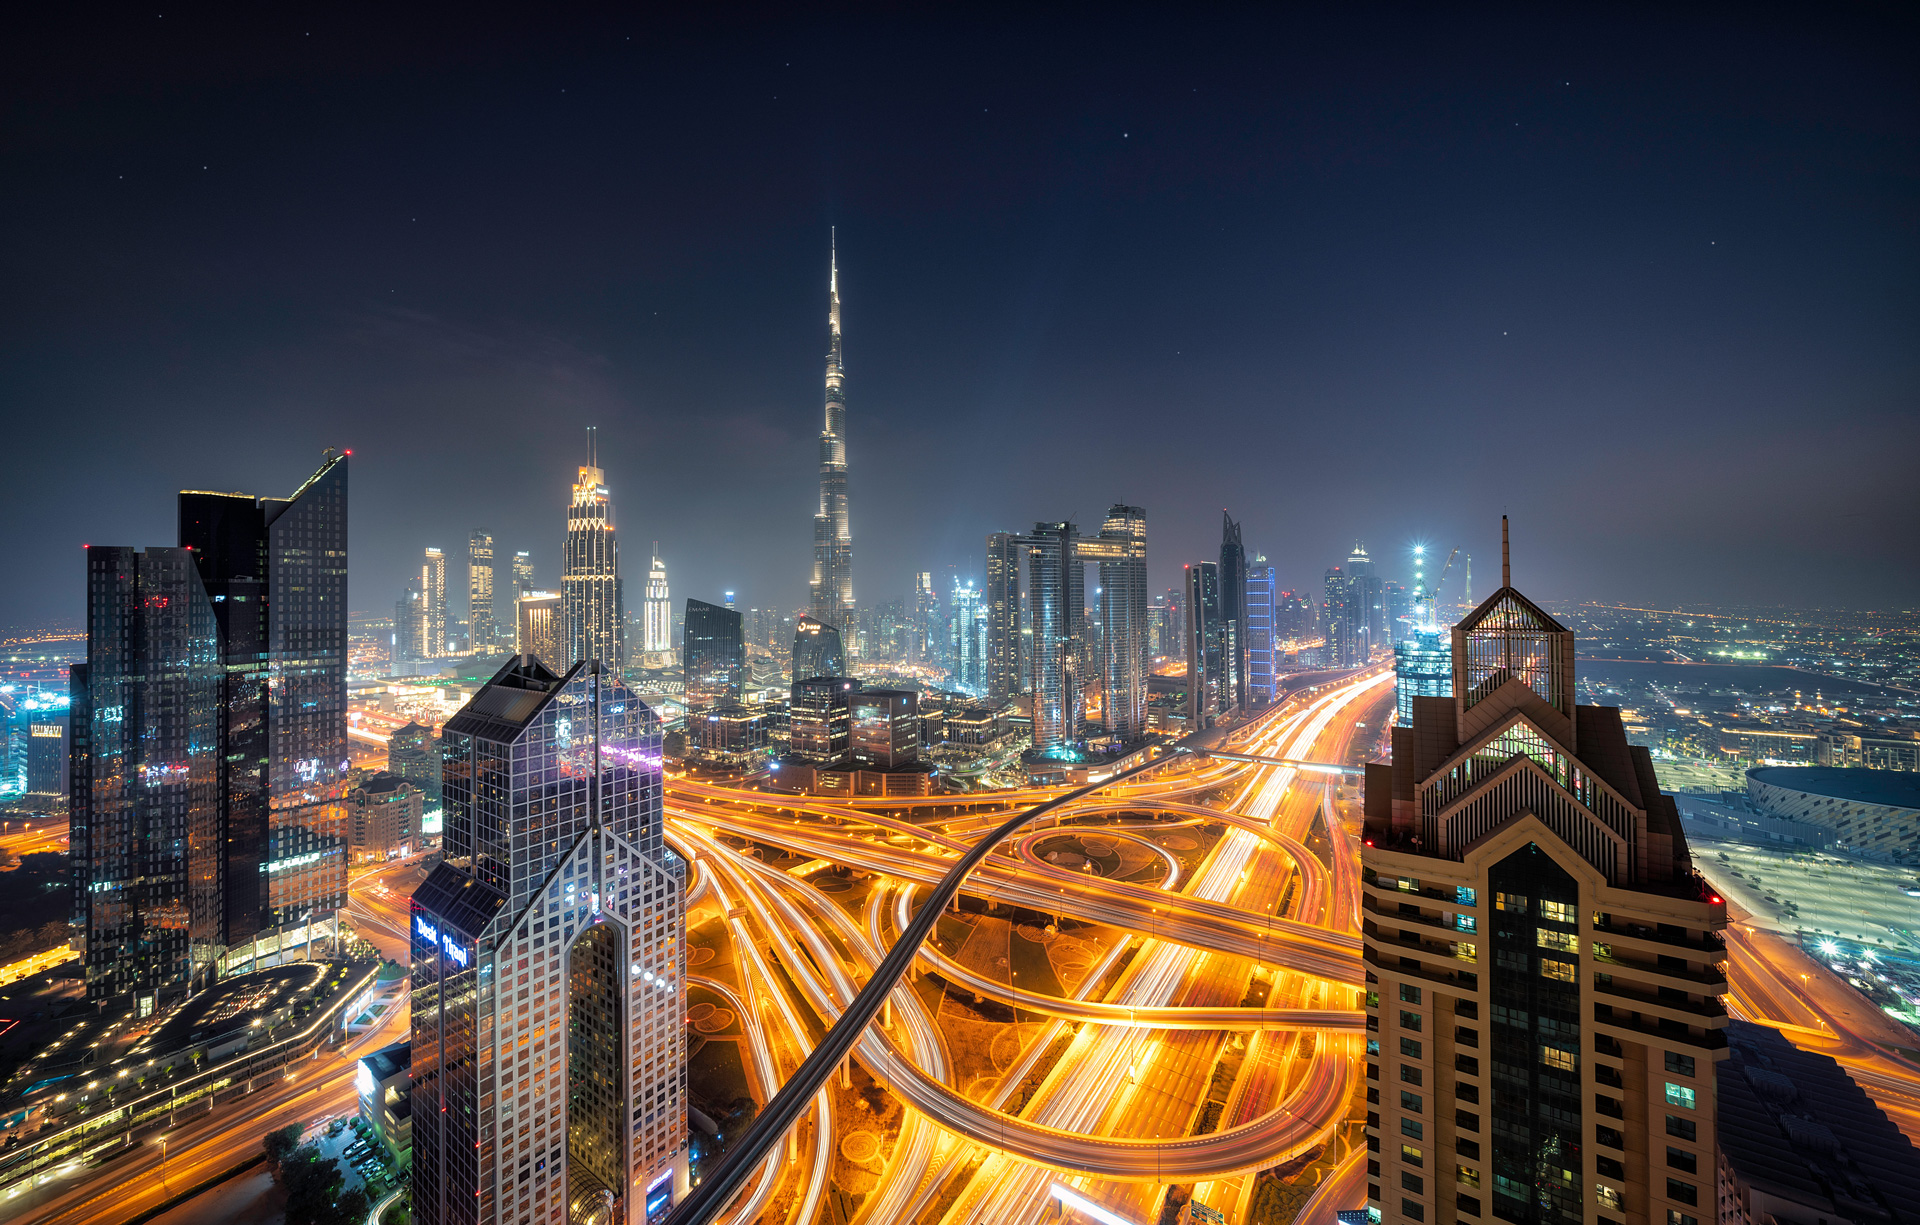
596, 625
831, 594
1543, 965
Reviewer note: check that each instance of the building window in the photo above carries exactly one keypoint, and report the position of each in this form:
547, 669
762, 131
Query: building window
1681, 1159
1463, 896
1409, 994
1412, 1182
1606, 1197
1413, 1128
1561, 970
1679, 1095
1677, 1217
1557, 912
1373, 1046
1410, 1020
1414, 1104
1409, 1073
1410, 1047
1683, 1128
1566, 942
1411, 1155
1685, 1192
1466, 1176
1412, 1211
1469, 1205
1510, 901
1678, 1064
1554, 1057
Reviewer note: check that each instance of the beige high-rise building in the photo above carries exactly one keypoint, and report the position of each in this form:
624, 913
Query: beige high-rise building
539, 627
480, 625
433, 604
1543, 964
590, 575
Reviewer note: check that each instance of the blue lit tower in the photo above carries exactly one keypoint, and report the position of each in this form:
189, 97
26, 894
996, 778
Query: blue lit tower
549, 961
1262, 676
1423, 659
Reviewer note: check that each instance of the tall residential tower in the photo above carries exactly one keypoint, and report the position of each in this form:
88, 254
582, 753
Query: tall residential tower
590, 579
1543, 964
482, 632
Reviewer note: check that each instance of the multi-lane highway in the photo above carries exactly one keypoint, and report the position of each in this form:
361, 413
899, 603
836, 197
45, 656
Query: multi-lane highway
1121, 1066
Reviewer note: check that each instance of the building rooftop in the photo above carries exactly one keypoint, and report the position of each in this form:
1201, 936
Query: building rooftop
390, 1061
1894, 788
1794, 1125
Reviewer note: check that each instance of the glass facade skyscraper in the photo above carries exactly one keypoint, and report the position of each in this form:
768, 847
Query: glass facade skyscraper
1262, 658
1006, 675
209, 748
816, 650
831, 589
1209, 647
714, 652
1423, 667
549, 964
1056, 586
1233, 612
1121, 550
967, 638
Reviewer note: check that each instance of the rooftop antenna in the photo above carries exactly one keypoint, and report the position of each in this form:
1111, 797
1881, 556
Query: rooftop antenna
593, 446
1506, 565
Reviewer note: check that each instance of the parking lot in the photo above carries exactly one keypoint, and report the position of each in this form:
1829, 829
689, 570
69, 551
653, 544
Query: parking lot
1813, 894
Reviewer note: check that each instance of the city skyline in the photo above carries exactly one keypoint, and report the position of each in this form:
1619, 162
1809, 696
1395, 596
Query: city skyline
1305, 266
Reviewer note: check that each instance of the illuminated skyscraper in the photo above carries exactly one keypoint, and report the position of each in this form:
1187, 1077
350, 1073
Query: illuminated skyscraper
816, 650
967, 638
409, 625
923, 630
210, 734
590, 577
433, 603
522, 572
1056, 585
1209, 684
1121, 551
1233, 611
1544, 965
1262, 678
1005, 674
657, 632
540, 626
713, 648
480, 624
832, 585
549, 964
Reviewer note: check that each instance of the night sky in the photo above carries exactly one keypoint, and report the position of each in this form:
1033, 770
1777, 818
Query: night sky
1646, 281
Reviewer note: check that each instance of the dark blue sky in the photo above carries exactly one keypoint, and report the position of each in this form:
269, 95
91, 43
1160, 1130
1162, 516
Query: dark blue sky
1645, 280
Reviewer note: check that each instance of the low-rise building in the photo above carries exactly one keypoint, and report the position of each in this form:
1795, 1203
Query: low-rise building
1875, 813
383, 817
385, 1088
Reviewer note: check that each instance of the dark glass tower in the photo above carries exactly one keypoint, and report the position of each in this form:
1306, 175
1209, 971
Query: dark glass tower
1233, 614
145, 833
1209, 689
1005, 675
267, 844
549, 961
714, 650
816, 650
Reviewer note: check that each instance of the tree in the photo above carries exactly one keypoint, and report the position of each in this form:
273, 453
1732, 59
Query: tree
314, 1191
279, 1145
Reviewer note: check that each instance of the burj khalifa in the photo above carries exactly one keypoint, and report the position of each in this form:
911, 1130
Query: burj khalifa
832, 585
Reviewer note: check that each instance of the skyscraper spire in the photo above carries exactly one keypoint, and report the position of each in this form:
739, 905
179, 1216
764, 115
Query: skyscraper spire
831, 601
1506, 565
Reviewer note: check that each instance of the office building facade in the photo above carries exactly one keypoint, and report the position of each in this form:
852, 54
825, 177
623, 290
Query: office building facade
549, 962
1006, 675
884, 728
816, 650
1209, 647
1056, 600
1123, 629
47, 755
819, 719
714, 651
590, 593
830, 591
1422, 667
540, 627
481, 632
967, 638
1233, 610
1263, 660
1543, 966
522, 573
209, 735
383, 817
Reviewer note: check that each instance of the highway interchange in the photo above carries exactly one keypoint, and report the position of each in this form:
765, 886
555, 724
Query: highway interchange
1242, 956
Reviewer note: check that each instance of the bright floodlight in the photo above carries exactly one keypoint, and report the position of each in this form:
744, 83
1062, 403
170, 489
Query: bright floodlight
1829, 947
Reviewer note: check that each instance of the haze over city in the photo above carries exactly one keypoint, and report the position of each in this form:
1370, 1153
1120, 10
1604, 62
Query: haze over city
1343, 275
